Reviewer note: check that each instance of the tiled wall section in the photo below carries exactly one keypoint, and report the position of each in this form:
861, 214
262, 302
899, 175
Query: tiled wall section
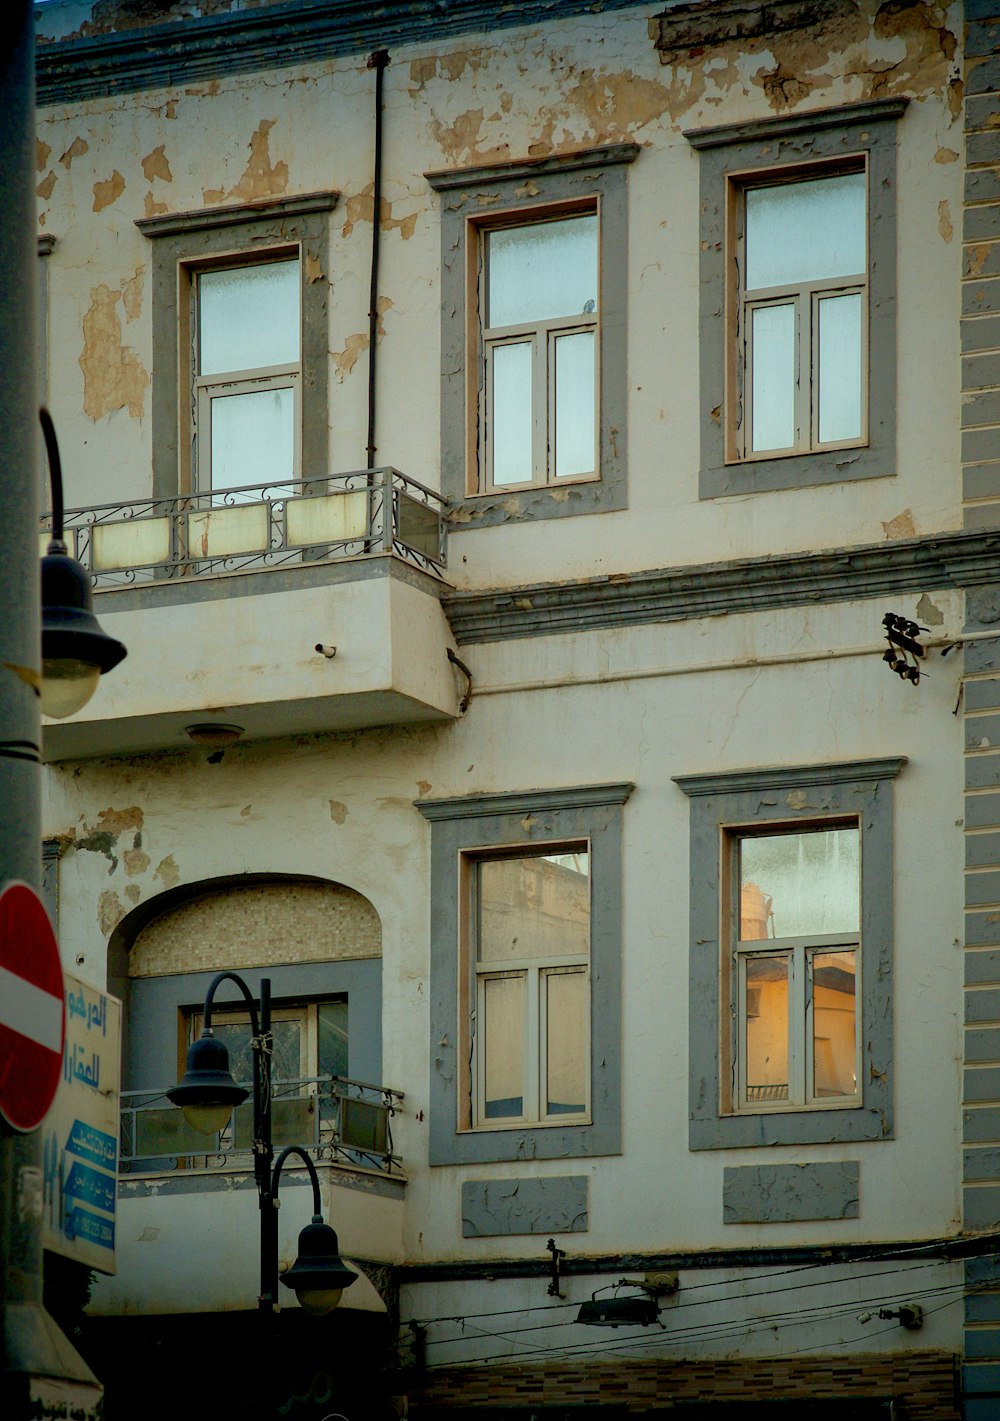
923, 1383
981, 270
981, 1115
243, 927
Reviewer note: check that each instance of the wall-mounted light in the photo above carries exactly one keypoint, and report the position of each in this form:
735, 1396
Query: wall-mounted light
76, 651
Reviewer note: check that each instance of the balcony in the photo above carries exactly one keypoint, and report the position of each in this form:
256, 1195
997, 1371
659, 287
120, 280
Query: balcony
187, 1219
223, 597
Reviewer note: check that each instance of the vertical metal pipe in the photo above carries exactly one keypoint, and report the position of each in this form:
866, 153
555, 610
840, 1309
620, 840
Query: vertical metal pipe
377, 61
263, 1155
33, 1348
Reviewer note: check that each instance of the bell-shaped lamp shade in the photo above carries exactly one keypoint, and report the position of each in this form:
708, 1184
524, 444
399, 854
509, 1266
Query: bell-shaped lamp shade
207, 1093
619, 1312
75, 650
318, 1276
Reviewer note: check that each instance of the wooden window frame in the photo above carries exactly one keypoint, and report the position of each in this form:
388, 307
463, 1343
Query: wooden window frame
535, 971
805, 297
800, 951
542, 335
203, 390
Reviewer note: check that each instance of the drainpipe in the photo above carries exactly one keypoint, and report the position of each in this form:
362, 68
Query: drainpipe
377, 61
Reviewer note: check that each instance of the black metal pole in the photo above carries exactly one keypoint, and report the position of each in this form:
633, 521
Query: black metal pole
263, 1146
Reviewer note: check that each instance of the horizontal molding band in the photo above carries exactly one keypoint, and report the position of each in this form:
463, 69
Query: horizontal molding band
204, 47
447, 179
790, 125
941, 560
970, 1246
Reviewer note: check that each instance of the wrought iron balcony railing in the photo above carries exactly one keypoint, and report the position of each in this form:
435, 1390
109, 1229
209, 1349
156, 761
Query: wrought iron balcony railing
260, 526
334, 1118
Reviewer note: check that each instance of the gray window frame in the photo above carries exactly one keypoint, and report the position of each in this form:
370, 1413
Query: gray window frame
732, 158
183, 242
478, 826
502, 194
722, 805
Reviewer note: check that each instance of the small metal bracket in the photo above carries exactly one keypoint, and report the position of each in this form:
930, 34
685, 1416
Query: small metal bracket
557, 1256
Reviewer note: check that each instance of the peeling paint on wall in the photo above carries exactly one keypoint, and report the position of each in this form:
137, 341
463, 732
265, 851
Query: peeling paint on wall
109, 191
156, 165
46, 186
338, 811
944, 221
42, 151
361, 206
902, 526
261, 178
114, 377
76, 149
132, 294
167, 872
346, 359
110, 911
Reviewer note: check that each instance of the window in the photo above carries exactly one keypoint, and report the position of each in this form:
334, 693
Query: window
797, 277
241, 299
246, 373
538, 295
803, 255
534, 284
791, 954
530, 1020
526, 903
309, 1039
794, 967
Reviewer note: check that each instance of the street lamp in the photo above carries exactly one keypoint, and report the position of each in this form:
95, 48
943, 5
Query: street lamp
75, 650
207, 1094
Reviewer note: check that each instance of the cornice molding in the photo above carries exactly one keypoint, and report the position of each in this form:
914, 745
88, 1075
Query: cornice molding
201, 48
790, 125
447, 179
522, 802
171, 224
958, 560
782, 777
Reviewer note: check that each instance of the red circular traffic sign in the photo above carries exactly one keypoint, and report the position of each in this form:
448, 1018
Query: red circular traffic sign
32, 1008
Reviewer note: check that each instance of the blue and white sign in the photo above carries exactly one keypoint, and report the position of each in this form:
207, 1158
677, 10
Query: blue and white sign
80, 1133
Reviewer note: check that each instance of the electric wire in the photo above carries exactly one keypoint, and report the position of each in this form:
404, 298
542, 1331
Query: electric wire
912, 1265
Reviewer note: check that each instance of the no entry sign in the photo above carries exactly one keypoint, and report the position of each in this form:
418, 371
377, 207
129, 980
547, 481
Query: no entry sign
32, 1008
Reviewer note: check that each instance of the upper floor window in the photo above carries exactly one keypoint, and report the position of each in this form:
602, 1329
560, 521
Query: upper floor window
534, 349
538, 315
247, 369
802, 317
241, 315
797, 287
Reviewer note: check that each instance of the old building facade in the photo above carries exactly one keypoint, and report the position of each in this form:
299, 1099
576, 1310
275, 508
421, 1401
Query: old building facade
633, 927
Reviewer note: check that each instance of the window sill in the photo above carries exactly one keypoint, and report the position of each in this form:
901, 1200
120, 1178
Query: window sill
771, 472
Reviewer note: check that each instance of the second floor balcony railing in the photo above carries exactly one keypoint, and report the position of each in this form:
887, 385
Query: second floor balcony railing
336, 1119
259, 526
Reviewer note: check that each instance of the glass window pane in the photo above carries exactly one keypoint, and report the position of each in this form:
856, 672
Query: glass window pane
502, 1037
534, 907
286, 1061
834, 978
541, 271
566, 1042
766, 1005
510, 424
809, 231
773, 345
800, 884
332, 1045
840, 361
574, 402
253, 438
249, 317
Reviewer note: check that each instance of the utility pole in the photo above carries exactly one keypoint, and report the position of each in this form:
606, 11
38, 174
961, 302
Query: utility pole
40, 1367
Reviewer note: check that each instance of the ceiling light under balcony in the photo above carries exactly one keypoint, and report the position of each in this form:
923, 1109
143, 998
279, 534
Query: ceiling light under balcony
214, 733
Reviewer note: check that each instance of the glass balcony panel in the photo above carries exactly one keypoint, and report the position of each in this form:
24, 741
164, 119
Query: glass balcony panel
364, 1125
137, 543
419, 527
227, 532
164, 1133
333, 518
293, 1122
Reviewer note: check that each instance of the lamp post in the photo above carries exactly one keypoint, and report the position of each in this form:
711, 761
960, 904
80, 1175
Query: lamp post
207, 1094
